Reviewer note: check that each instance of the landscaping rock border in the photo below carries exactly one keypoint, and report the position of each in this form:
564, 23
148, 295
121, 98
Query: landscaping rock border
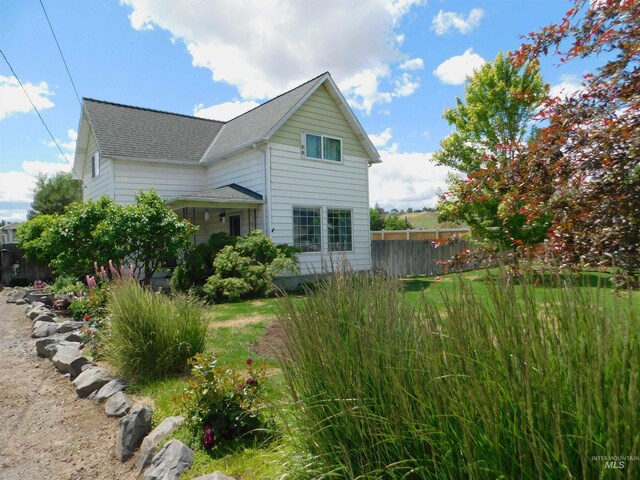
62, 343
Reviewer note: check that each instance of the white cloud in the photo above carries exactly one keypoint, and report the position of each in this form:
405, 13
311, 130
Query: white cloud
412, 64
454, 70
16, 187
37, 167
13, 100
444, 22
381, 139
264, 48
224, 111
569, 86
70, 146
406, 180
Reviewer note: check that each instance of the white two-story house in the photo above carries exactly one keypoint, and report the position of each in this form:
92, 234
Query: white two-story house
295, 167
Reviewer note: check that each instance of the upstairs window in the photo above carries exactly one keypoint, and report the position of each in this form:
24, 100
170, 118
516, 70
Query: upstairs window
95, 164
340, 230
322, 147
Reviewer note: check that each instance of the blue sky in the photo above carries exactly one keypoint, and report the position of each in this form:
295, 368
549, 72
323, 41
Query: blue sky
399, 63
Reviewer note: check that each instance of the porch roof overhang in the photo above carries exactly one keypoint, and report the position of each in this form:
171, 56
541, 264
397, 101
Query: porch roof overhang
229, 196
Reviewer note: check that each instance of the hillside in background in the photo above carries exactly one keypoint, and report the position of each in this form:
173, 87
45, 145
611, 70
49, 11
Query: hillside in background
428, 220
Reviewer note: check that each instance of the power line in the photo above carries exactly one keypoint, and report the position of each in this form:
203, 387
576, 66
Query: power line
64, 61
38, 112
60, 50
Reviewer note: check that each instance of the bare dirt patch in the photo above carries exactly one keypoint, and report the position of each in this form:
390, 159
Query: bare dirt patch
46, 430
240, 322
271, 345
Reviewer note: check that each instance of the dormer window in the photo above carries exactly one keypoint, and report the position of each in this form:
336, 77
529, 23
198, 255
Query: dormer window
322, 147
95, 164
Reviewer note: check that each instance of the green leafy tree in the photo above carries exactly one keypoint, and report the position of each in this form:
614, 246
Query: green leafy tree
394, 221
53, 194
148, 234
376, 219
35, 238
492, 125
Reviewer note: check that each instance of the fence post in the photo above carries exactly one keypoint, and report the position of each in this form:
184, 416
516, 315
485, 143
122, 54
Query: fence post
437, 234
408, 235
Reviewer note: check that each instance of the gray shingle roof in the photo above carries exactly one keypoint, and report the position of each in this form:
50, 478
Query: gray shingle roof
133, 132
255, 124
228, 194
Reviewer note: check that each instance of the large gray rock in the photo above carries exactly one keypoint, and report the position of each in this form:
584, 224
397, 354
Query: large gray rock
91, 380
43, 329
44, 317
151, 441
214, 476
117, 405
14, 296
133, 428
69, 359
169, 463
47, 347
69, 326
35, 312
109, 389
21, 301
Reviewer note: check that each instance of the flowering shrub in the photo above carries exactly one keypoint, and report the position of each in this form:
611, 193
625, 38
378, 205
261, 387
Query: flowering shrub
220, 403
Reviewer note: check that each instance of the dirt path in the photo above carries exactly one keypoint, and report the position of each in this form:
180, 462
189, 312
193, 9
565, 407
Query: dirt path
46, 431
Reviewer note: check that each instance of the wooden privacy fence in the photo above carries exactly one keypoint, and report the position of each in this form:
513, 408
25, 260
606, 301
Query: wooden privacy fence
413, 257
16, 266
431, 234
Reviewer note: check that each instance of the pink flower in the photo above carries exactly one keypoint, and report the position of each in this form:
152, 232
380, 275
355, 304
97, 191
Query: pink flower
252, 382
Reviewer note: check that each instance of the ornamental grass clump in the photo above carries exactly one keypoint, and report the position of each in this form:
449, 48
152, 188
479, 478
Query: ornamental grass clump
151, 335
527, 382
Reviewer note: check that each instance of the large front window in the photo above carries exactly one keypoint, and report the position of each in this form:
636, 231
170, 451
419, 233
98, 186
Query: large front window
307, 228
340, 230
322, 147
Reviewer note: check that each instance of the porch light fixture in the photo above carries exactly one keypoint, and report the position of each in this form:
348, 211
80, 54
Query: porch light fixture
222, 217
206, 215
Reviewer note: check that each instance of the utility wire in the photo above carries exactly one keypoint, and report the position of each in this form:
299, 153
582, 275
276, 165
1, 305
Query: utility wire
60, 50
38, 112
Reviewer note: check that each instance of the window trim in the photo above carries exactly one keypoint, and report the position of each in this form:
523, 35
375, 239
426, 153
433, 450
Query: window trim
352, 236
303, 147
95, 164
293, 227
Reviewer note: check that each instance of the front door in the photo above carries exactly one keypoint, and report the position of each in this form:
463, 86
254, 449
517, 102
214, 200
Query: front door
234, 225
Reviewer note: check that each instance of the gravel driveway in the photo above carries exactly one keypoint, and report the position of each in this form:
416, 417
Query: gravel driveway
46, 431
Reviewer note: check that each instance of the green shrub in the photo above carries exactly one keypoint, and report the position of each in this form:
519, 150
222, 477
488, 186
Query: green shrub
151, 335
197, 266
66, 284
223, 400
510, 386
92, 305
247, 269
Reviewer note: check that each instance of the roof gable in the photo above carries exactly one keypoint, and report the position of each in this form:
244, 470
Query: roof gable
261, 123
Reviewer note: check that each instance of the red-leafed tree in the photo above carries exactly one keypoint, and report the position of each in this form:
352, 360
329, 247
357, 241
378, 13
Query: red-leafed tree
584, 166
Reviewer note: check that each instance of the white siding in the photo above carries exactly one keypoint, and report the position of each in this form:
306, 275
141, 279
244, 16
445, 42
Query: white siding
99, 186
245, 169
297, 181
168, 180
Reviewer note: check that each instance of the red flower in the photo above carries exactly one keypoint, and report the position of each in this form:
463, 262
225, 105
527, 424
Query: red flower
208, 439
87, 318
252, 381
249, 361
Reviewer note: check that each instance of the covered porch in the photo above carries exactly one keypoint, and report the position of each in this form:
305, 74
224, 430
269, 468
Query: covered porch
231, 209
